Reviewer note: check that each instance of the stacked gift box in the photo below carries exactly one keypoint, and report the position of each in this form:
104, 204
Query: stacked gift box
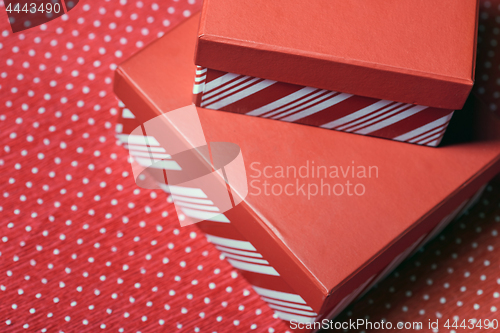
385, 70
322, 214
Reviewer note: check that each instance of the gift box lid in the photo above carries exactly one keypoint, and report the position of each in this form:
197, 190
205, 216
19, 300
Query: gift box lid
329, 237
418, 52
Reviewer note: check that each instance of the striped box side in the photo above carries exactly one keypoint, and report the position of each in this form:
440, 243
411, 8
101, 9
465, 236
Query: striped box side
321, 108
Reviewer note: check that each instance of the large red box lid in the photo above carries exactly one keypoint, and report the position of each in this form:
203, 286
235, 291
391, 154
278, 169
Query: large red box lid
327, 244
418, 52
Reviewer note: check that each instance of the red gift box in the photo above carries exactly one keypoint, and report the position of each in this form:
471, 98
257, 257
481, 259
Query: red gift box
391, 70
309, 256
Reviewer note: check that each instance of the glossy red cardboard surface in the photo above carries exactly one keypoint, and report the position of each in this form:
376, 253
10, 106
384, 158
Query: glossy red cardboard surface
418, 52
323, 242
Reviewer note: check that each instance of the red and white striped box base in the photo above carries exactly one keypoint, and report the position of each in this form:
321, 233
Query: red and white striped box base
239, 252
258, 97
288, 304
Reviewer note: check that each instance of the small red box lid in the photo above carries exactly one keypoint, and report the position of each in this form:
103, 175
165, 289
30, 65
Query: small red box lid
419, 52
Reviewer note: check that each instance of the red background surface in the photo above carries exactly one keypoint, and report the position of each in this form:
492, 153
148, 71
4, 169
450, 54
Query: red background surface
83, 249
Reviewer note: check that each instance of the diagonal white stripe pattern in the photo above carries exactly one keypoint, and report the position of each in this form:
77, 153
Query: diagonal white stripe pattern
284, 110
288, 297
300, 312
145, 148
289, 317
158, 156
196, 206
219, 89
236, 255
219, 81
193, 200
187, 191
317, 108
233, 243
244, 253
280, 102
428, 134
205, 216
423, 129
312, 102
244, 258
139, 139
268, 270
127, 114
241, 94
357, 114
373, 117
288, 304
428, 140
200, 70
200, 79
387, 122
434, 143
379, 117
157, 164
198, 88
230, 88
207, 99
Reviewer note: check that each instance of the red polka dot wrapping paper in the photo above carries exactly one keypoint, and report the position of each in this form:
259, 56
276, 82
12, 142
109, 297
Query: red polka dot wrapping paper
83, 249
